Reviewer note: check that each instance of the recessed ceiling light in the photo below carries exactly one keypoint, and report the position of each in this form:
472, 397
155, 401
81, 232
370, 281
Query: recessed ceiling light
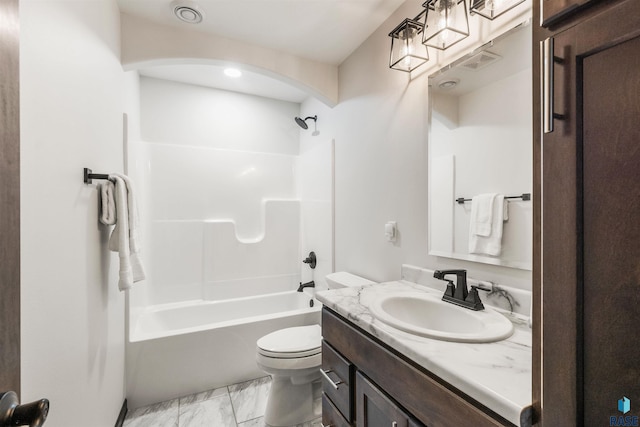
232, 72
449, 84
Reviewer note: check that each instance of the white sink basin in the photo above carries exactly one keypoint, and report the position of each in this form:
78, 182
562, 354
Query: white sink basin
426, 315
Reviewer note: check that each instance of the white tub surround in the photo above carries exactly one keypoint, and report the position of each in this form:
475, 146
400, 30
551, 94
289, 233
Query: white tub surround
497, 374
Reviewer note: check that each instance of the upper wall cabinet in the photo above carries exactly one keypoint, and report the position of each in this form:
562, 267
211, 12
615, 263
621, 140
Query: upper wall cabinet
480, 127
554, 10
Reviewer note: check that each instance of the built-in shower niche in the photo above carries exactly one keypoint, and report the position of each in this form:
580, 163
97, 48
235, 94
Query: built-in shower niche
205, 259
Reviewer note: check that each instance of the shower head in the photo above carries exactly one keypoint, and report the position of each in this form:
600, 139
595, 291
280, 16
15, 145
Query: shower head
303, 122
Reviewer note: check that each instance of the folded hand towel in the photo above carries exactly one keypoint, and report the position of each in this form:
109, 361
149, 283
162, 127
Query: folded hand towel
107, 203
490, 244
125, 236
482, 214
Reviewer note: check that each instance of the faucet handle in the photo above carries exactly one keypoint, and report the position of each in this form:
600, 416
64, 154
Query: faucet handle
451, 288
474, 298
311, 260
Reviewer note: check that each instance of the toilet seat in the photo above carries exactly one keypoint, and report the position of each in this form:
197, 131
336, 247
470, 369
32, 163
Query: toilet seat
291, 343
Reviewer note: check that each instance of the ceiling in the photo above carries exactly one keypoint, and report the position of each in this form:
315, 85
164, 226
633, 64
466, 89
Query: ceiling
326, 31
322, 30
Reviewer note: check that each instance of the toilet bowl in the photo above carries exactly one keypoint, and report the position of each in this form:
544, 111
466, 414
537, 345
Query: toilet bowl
293, 357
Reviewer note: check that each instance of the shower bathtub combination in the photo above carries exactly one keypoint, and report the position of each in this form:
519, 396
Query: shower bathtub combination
231, 198
178, 349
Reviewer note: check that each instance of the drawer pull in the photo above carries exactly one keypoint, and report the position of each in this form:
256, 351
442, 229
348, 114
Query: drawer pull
333, 384
394, 424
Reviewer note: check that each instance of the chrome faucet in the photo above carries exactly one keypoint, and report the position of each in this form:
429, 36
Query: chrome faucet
306, 285
459, 294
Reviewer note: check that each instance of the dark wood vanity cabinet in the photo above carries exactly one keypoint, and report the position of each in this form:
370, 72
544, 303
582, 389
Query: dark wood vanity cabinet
376, 409
587, 267
553, 11
370, 385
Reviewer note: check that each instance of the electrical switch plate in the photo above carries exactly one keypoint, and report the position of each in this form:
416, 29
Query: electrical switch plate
390, 231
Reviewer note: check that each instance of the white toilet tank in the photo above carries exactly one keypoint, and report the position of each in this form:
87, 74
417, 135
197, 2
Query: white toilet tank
342, 279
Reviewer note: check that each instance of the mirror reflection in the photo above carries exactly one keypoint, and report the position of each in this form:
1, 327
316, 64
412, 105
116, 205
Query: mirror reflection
480, 154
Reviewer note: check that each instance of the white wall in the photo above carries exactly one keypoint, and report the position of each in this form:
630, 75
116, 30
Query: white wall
381, 157
71, 117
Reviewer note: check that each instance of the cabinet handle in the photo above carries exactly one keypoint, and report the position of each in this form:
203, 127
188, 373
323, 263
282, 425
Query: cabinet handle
333, 384
547, 61
394, 424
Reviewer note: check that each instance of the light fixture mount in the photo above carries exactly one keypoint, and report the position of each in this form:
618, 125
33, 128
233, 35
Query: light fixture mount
491, 9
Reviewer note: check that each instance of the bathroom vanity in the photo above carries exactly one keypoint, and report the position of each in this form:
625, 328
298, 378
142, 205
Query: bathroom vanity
380, 376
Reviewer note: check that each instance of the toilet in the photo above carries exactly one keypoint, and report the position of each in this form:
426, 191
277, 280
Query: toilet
293, 357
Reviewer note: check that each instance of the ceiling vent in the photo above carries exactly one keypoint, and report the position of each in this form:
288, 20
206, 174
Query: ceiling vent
187, 11
480, 60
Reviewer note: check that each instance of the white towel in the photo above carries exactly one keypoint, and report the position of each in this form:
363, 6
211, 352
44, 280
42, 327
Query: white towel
482, 214
107, 203
490, 244
125, 236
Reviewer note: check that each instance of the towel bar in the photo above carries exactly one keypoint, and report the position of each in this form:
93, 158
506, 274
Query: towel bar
89, 176
523, 196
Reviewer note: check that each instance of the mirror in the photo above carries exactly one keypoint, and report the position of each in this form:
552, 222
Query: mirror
480, 142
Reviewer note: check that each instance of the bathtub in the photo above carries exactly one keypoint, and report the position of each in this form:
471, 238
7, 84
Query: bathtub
184, 348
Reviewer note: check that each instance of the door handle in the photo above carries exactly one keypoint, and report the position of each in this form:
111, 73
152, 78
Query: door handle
547, 61
12, 413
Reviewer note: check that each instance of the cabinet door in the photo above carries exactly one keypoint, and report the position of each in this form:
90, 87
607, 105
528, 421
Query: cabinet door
591, 223
555, 10
375, 409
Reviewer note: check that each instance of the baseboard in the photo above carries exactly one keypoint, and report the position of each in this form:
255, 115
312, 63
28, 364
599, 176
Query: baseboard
123, 414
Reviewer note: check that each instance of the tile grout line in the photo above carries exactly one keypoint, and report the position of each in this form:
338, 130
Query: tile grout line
233, 409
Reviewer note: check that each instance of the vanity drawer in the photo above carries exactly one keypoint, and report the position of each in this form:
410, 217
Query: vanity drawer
337, 383
331, 417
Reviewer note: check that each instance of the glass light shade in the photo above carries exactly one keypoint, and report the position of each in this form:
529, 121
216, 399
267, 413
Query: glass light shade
445, 24
407, 50
491, 9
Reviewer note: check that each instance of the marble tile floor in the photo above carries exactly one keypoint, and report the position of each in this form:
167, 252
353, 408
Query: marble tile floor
237, 405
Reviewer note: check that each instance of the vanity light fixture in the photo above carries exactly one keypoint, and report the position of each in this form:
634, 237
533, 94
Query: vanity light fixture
407, 51
441, 24
491, 9
446, 23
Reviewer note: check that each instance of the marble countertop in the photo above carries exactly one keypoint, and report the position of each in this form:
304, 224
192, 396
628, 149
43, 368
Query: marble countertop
497, 374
